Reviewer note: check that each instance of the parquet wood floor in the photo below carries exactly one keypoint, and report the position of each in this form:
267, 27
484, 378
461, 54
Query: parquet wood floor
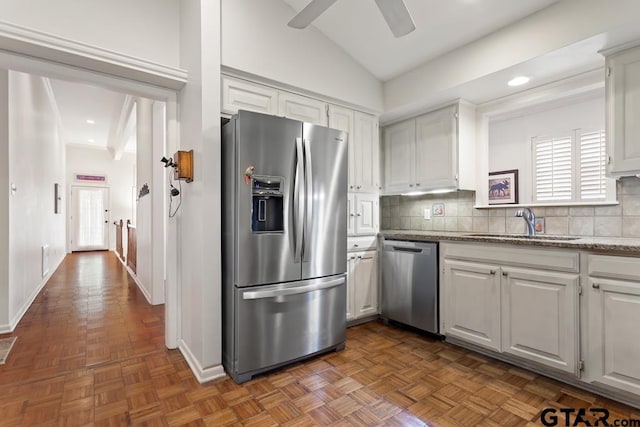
90, 352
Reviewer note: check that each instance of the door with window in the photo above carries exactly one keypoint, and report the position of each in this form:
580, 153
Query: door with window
90, 218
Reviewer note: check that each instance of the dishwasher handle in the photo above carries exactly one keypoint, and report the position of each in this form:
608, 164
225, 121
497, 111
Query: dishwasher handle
407, 249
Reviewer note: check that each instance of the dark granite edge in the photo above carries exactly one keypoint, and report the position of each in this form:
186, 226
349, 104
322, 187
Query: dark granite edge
613, 245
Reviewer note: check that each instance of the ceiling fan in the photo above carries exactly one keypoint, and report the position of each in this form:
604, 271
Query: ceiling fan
395, 12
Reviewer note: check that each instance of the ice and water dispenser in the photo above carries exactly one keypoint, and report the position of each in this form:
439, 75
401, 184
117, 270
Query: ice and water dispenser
267, 214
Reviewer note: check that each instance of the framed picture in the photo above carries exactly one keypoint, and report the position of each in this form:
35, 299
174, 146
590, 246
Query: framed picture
503, 187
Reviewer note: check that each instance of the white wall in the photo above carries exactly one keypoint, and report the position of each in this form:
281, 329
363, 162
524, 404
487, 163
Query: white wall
37, 161
557, 26
199, 217
147, 29
4, 198
120, 180
257, 40
510, 139
144, 225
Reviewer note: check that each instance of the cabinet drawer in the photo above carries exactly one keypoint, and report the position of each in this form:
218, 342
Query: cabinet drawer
614, 267
547, 259
365, 243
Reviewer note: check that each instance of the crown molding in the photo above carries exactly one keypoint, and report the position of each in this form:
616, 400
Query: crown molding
33, 43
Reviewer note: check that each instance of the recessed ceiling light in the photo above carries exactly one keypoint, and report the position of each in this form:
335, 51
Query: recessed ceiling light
517, 81
90, 121
92, 140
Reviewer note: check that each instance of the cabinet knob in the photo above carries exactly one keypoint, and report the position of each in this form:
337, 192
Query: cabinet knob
351, 187
492, 272
505, 274
417, 184
595, 286
359, 257
410, 185
351, 214
355, 245
359, 214
353, 257
359, 187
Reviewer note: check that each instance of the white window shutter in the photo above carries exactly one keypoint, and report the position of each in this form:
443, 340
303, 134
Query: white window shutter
593, 185
553, 168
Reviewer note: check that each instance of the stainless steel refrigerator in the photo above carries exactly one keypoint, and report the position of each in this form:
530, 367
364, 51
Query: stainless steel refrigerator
284, 242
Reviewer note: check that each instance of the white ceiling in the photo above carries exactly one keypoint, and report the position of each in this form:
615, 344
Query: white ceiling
441, 26
79, 102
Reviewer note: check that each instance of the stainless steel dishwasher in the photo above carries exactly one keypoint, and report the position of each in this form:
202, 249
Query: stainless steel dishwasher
410, 284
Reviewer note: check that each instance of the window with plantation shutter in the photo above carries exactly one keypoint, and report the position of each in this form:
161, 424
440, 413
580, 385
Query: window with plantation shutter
553, 168
593, 184
570, 167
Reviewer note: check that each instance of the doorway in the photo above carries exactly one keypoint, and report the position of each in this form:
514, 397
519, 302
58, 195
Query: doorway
89, 218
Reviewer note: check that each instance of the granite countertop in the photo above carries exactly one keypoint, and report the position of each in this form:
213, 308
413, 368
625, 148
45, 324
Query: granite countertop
612, 245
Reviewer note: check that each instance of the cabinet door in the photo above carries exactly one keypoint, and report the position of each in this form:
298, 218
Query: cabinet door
302, 108
614, 333
399, 141
351, 279
351, 214
436, 149
240, 94
472, 302
365, 296
367, 213
623, 110
342, 119
540, 317
366, 149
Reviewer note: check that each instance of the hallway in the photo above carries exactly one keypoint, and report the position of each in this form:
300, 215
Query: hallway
90, 351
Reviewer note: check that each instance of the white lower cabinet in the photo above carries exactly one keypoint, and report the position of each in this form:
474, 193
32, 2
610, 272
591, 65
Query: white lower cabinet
472, 306
510, 300
540, 316
362, 284
613, 325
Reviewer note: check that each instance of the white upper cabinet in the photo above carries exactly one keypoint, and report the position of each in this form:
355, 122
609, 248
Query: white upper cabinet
436, 151
430, 152
240, 94
399, 148
366, 153
342, 119
364, 160
363, 214
623, 111
302, 108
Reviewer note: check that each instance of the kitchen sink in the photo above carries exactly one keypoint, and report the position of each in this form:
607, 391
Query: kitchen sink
523, 236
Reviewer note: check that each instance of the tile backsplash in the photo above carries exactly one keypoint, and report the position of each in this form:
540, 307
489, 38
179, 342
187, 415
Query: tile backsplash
622, 220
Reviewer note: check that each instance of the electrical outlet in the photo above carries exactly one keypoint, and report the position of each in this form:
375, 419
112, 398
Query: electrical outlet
427, 213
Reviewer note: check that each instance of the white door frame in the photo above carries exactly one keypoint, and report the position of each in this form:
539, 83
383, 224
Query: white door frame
116, 72
72, 219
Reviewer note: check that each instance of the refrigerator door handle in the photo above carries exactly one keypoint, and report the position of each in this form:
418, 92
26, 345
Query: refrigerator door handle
299, 200
308, 215
292, 291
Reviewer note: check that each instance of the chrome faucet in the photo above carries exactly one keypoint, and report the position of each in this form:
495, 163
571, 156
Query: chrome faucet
530, 219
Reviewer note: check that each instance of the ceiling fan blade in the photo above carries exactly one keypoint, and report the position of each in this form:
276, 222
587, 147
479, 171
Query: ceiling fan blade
397, 15
310, 12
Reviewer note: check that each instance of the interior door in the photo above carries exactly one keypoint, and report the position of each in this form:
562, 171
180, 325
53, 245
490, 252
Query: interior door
90, 218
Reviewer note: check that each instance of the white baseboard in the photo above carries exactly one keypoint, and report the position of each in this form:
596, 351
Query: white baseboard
202, 374
13, 323
135, 279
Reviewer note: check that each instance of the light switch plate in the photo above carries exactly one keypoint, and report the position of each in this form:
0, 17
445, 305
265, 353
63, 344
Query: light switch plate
427, 213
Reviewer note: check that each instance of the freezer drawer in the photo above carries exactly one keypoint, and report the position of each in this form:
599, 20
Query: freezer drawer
281, 323
410, 284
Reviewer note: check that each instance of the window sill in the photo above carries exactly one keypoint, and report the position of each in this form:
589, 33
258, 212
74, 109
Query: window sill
550, 205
